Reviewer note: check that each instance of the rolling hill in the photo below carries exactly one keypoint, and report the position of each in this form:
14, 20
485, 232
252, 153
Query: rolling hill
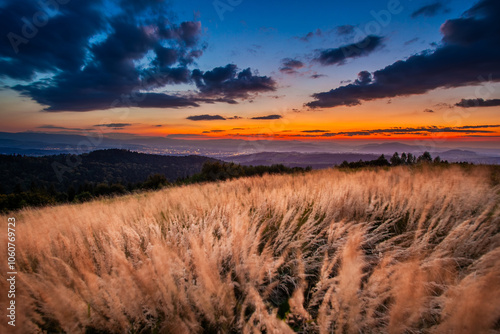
101, 166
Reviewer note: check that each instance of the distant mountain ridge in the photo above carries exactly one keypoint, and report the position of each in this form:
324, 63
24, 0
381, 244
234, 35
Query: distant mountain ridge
40, 144
296, 159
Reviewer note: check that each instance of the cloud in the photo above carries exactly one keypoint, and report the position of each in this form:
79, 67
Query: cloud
315, 131
310, 35
213, 100
94, 60
317, 76
235, 117
187, 136
471, 103
430, 10
290, 66
226, 82
114, 125
428, 110
468, 129
411, 41
443, 105
54, 127
345, 29
342, 30
70, 97
268, 117
338, 56
469, 55
206, 118
26, 49
48, 126
92, 75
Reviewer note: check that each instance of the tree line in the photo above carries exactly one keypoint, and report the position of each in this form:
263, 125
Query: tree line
395, 160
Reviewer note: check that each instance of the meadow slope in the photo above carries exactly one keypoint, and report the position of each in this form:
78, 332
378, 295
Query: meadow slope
413, 250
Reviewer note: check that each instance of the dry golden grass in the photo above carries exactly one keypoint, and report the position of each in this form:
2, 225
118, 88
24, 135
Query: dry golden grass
384, 251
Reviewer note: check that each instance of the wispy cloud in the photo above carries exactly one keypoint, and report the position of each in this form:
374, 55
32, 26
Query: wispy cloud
430, 10
411, 41
317, 76
290, 66
114, 125
468, 129
206, 118
268, 117
471, 103
55, 127
345, 29
315, 131
338, 56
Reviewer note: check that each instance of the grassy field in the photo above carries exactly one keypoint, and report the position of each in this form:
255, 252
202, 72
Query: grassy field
399, 250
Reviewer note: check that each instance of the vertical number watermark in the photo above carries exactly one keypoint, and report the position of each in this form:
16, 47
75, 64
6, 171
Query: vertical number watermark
11, 273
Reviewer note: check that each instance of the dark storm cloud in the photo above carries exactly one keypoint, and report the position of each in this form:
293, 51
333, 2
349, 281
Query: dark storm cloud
338, 56
93, 76
32, 41
424, 130
226, 82
290, 66
471, 103
84, 96
268, 117
105, 73
206, 118
469, 55
430, 10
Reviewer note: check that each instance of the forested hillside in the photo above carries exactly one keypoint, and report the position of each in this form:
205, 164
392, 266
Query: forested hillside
59, 172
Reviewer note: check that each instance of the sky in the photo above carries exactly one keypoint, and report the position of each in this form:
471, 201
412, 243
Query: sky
322, 70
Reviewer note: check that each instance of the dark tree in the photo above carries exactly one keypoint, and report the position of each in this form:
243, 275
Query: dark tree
395, 159
411, 159
425, 158
155, 181
404, 158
